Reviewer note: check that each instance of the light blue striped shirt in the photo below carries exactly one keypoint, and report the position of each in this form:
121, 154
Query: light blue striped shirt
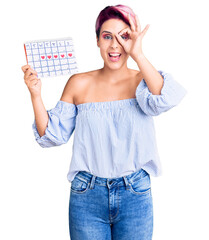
114, 138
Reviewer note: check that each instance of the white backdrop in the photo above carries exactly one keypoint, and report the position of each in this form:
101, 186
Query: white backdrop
33, 180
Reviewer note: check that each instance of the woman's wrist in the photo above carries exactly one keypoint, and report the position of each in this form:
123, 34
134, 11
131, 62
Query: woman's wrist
35, 98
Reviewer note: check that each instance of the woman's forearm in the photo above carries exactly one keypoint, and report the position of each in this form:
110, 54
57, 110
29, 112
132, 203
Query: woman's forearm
151, 76
41, 115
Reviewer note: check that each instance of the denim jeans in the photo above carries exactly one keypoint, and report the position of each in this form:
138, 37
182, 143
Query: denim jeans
111, 208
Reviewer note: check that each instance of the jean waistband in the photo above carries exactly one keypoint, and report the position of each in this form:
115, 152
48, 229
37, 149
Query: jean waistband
87, 177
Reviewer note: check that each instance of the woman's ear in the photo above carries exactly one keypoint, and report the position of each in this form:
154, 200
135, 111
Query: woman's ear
97, 41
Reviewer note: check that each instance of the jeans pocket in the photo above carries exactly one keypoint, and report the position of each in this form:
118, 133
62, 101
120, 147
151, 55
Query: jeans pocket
141, 185
79, 185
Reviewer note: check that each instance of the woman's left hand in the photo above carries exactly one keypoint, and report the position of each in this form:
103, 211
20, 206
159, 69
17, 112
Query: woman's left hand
132, 43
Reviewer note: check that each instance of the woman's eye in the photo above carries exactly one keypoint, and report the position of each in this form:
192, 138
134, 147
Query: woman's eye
107, 37
124, 36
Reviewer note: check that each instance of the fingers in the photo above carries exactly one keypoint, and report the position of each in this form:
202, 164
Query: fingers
145, 29
30, 76
133, 28
119, 39
28, 68
138, 26
30, 79
123, 36
25, 67
33, 82
28, 71
125, 31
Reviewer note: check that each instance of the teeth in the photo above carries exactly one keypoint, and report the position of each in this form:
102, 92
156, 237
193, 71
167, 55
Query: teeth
114, 55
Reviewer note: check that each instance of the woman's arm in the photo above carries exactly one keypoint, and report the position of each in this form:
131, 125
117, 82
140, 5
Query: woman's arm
151, 76
34, 86
171, 94
133, 46
58, 124
41, 115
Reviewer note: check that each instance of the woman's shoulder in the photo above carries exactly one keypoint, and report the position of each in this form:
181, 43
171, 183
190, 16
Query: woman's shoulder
96, 73
135, 72
78, 84
88, 74
80, 80
75, 85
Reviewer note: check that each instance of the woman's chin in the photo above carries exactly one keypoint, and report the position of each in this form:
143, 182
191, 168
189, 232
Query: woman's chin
113, 66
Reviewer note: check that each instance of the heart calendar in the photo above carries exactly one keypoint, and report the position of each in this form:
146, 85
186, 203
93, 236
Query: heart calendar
51, 57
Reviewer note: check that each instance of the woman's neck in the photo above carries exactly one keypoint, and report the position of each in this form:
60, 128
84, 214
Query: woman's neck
114, 75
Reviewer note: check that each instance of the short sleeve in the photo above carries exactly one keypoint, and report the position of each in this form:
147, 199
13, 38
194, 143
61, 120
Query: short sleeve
171, 94
61, 124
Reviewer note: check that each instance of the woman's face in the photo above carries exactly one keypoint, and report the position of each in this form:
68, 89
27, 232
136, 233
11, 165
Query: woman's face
108, 43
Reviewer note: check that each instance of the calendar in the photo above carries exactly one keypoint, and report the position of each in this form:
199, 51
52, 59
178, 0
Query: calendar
51, 58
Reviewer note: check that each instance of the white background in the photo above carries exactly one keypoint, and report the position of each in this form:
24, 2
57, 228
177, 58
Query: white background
33, 180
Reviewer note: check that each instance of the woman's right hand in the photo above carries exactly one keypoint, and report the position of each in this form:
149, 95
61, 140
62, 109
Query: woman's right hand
32, 81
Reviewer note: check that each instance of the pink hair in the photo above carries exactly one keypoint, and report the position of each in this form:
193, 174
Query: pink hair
116, 12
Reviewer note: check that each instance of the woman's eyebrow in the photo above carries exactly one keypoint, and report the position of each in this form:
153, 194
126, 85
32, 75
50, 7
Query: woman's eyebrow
110, 32
107, 32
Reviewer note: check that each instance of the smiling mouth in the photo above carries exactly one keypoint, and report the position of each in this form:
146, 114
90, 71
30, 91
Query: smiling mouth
114, 55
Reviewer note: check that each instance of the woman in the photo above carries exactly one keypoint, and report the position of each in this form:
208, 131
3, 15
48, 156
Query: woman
114, 151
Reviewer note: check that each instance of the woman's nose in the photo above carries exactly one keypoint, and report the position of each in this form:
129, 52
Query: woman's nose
114, 42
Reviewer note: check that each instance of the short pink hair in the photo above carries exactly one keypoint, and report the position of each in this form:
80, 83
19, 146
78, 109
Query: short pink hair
116, 12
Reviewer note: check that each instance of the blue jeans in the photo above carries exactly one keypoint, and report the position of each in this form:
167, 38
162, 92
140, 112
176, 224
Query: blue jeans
111, 208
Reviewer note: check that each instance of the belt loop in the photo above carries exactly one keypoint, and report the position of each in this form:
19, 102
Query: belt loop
92, 181
126, 182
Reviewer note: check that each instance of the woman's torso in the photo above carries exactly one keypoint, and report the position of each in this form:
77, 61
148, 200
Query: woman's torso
112, 136
95, 88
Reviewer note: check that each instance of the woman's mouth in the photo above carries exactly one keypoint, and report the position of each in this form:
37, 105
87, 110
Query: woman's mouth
114, 57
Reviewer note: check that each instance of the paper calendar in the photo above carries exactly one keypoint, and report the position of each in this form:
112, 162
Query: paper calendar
51, 57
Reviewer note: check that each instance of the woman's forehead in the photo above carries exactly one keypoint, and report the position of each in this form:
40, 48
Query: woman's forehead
113, 25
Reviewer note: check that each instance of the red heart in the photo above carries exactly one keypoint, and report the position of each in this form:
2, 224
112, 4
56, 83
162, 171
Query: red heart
62, 55
55, 56
70, 54
49, 56
42, 57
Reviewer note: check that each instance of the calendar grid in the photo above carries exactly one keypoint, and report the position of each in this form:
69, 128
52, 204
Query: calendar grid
66, 51
38, 50
59, 55
67, 58
32, 59
46, 61
51, 57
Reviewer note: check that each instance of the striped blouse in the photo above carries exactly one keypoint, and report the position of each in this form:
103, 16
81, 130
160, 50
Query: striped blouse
112, 138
